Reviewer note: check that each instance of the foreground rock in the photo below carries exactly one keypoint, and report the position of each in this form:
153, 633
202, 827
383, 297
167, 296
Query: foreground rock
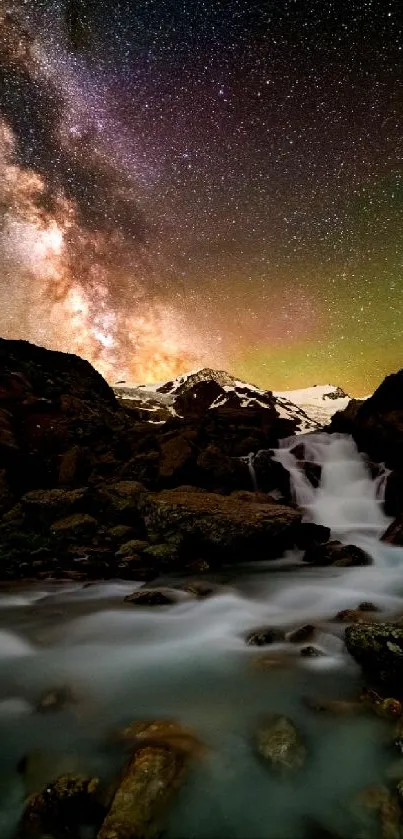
221, 528
378, 649
280, 743
150, 782
61, 809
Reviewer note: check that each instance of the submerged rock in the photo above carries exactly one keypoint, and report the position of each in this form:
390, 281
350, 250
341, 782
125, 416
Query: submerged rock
378, 649
303, 634
263, 636
312, 652
168, 733
55, 700
280, 743
151, 780
199, 589
387, 807
61, 809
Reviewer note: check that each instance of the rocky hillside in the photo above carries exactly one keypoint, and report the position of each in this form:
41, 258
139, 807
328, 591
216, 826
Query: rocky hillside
195, 393
88, 488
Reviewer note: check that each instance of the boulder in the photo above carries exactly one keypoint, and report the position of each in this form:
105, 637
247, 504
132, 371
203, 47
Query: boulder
280, 743
378, 649
335, 553
221, 528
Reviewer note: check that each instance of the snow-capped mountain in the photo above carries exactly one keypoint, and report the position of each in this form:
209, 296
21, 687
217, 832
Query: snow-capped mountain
194, 393
319, 402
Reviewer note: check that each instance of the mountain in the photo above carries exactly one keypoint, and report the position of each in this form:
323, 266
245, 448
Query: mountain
198, 391
319, 402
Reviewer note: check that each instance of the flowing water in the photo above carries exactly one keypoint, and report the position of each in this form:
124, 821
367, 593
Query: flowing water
190, 662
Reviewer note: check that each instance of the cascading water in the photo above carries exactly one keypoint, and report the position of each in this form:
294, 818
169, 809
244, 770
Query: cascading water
190, 661
347, 499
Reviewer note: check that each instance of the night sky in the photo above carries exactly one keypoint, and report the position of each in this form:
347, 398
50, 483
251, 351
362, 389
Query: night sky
215, 183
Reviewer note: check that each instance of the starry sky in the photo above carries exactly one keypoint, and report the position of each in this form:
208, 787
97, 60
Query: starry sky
205, 182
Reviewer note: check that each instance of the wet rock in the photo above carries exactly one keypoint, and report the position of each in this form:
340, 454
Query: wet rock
313, 472
270, 474
151, 597
263, 636
199, 590
79, 525
303, 634
378, 649
154, 774
61, 809
280, 743
394, 533
310, 534
335, 553
311, 652
221, 528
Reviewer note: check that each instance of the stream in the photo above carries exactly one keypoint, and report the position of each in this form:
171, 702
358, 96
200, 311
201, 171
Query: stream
190, 662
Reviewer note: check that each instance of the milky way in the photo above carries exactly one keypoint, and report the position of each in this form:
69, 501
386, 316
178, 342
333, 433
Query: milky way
205, 182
